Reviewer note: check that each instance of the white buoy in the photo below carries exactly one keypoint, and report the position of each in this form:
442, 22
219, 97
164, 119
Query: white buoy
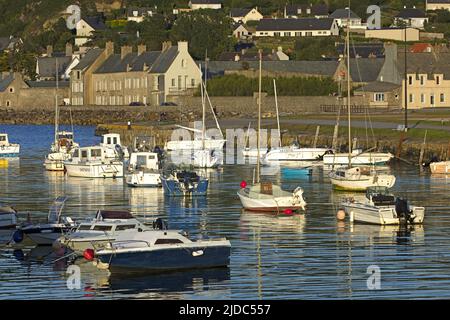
340, 215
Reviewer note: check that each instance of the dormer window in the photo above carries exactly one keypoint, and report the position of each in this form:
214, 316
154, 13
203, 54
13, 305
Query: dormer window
438, 80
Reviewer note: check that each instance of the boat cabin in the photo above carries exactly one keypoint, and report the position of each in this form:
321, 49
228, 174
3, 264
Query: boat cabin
111, 221
4, 139
380, 196
87, 154
144, 161
111, 139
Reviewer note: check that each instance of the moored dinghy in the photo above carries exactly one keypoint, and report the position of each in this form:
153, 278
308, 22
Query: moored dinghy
360, 178
382, 207
442, 167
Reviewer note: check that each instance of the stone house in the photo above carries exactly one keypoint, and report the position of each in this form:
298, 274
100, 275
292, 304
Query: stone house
139, 14
411, 17
86, 27
240, 15
63, 61
205, 4
378, 94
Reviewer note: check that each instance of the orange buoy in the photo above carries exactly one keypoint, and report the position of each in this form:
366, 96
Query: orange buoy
340, 215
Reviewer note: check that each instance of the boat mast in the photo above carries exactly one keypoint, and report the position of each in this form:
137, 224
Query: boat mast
348, 90
203, 116
278, 116
56, 107
259, 119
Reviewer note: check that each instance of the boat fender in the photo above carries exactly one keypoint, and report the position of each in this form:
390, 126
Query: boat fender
89, 254
197, 253
18, 236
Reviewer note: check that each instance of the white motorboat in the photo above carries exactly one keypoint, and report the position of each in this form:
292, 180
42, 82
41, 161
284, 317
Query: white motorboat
357, 158
60, 151
112, 145
253, 152
160, 251
359, 178
381, 207
143, 170
294, 154
268, 197
47, 233
101, 230
442, 167
8, 218
196, 144
8, 149
94, 162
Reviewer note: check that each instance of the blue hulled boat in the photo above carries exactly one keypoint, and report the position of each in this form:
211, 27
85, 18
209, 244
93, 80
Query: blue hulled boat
184, 183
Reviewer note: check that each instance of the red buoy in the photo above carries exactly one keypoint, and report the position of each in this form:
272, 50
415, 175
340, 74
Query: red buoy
243, 184
89, 254
288, 211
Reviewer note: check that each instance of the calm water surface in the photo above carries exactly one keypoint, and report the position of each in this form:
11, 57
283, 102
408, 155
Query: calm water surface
307, 257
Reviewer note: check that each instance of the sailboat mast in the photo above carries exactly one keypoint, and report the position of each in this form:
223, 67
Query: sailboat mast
203, 116
56, 106
259, 119
348, 90
278, 116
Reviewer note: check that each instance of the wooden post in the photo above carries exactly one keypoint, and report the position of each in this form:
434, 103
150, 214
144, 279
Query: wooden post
317, 136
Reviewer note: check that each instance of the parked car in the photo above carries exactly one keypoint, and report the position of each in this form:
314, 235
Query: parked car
136, 104
173, 104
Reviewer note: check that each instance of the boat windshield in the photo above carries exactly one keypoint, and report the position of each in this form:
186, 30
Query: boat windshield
2, 138
56, 209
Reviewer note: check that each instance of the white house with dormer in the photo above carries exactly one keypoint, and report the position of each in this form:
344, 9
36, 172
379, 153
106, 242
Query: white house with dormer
205, 4
240, 15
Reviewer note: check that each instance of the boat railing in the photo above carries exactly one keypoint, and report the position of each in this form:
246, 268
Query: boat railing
118, 244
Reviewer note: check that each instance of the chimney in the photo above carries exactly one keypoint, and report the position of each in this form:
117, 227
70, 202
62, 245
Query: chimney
109, 48
128, 67
237, 58
141, 49
280, 49
166, 45
125, 50
182, 46
69, 50
49, 50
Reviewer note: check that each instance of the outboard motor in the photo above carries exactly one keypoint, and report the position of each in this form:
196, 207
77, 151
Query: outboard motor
119, 151
160, 224
433, 159
403, 213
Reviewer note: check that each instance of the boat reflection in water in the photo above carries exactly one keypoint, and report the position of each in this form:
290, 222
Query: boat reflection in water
271, 222
212, 283
387, 234
41, 255
145, 202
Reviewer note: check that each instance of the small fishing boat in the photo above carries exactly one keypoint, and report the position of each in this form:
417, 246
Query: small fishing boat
8, 149
268, 197
441, 167
8, 218
60, 151
184, 183
253, 152
383, 208
294, 153
47, 233
160, 251
143, 170
112, 145
94, 162
359, 178
103, 229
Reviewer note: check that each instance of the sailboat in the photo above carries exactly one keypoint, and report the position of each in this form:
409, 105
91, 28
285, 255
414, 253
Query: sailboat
63, 141
293, 153
267, 196
252, 152
204, 158
356, 178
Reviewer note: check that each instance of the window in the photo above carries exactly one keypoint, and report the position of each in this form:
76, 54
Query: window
298, 34
8, 103
410, 80
277, 34
308, 33
96, 153
173, 82
102, 228
287, 34
183, 63
431, 100
84, 153
76, 153
11, 90
168, 241
379, 97
411, 98
438, 80
84, 227
421, 80
2, 138
192, 82
125, 227
442, 98
422, 98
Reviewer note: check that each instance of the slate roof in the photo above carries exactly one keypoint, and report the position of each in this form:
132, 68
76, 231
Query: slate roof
96, 22
164, 60
363, 50
239, 12
378, 86
365, 69
47, 65
115, 64
320, 9
343, 14
319, 68
48, 84
294, 24
425, 62
411, 13
88, 58
6, 81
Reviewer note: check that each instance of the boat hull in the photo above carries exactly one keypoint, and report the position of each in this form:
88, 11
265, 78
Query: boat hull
294, 155
381, 216
43, 236
210, 144
362, 183
141, 179
442, 167
362, 159
9, 151
168, 258
94, 170
275, 204
54, 165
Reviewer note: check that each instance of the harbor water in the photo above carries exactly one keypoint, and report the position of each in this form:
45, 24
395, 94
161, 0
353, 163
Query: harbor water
310, 256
